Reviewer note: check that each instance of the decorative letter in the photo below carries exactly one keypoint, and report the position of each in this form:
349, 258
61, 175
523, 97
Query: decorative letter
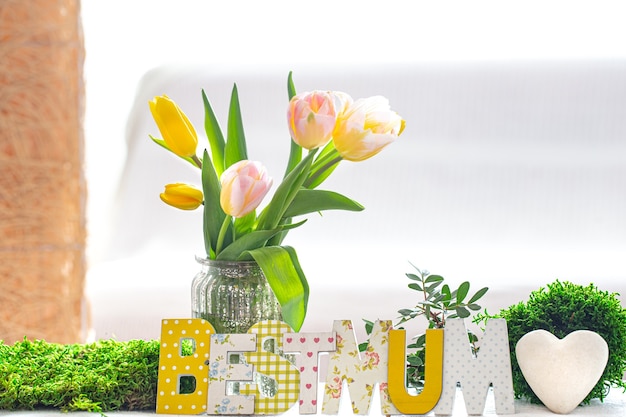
174, 364
276, 379
308, 345
427, 399
221, 371
361, 375
491, 366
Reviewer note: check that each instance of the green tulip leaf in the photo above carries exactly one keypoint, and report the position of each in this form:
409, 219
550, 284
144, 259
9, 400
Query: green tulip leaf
163, 144
329, 151
244, 224
250, 241
246, 242
236, 141
272, 215
291, 88
295, 151
282, 270
278, 238
311, 201
215, 136
285, 226
213, 213
323, 166
318, 177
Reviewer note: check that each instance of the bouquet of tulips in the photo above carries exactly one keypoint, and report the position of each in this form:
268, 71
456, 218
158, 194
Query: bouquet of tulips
331, 126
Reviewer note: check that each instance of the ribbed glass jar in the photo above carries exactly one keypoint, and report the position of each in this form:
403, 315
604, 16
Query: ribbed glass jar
232, 295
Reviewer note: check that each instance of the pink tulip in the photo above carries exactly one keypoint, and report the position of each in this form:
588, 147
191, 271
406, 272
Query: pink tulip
244, 184
365, 128
311, 117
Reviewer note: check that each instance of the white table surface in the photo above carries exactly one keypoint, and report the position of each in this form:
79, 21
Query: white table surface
613, 406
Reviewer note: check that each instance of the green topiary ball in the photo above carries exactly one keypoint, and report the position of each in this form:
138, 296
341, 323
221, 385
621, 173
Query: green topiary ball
562, 308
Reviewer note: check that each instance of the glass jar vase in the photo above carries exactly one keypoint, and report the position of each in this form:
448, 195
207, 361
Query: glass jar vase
232, 295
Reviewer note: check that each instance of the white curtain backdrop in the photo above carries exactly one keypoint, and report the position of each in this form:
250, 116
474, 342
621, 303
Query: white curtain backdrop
126, 38
503, 136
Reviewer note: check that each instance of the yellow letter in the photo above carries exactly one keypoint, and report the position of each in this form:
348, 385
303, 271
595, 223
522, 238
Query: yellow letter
276, 379
175, 364
428, 398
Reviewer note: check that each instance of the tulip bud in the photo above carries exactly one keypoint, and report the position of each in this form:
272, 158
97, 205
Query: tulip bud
178, 132
365, 128
182, 196
311, 117
244, 184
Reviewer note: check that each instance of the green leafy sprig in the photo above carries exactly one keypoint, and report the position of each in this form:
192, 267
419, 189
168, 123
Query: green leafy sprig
438, 303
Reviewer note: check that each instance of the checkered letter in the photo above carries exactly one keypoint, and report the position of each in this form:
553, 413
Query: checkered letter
276, 380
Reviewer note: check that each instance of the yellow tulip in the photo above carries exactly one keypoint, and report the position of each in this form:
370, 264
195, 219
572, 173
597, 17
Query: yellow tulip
178, 132
182, 196
311, 117
365, 128
244, 184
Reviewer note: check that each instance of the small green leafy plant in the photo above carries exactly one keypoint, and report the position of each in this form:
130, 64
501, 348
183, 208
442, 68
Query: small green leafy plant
561, 308
438, 302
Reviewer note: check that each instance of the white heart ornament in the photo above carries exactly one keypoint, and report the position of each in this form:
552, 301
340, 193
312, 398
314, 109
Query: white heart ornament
562, 372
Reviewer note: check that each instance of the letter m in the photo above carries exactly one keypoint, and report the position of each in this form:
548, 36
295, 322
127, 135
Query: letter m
491, 366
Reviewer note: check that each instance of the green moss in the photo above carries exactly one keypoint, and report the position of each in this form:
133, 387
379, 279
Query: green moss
102, 376
562, 308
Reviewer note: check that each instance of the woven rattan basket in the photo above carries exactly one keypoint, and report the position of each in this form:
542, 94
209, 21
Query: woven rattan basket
42, 188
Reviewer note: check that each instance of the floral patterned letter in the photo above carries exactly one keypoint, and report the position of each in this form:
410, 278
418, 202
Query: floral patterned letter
361, 373
221, 371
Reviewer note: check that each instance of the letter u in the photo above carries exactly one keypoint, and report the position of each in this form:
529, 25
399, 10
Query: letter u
428, 398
